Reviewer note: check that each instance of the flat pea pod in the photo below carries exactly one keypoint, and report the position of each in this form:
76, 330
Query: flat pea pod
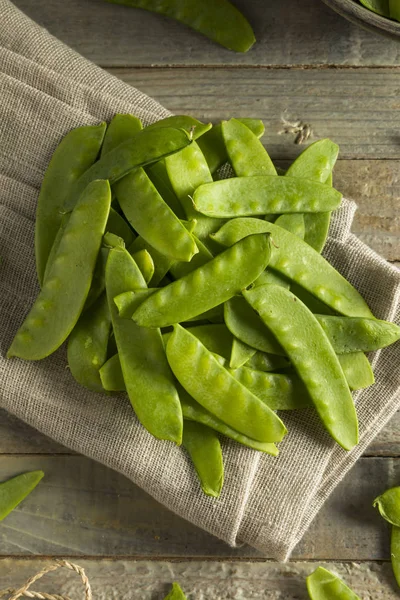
197, 128
118, 226
213, 147
381, 7
210, 384
87, 345
388, 505
176, 593
203, 256
246, 153
120, 128
152, 218
204, 448
240, 353
63, 295
73, 156
324, 585
13, 491
208, 286
357, 370
395, 553
218, 20
145, 147
293, 223
300, 263
145, 263
159, 176
147, 377
312, 356
356, 334
316, 163
262, 194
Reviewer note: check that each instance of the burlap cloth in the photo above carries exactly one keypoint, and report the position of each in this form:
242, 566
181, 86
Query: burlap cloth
45, 90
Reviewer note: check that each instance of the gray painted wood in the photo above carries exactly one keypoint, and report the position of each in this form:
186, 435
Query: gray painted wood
83, 508
151, 580
288, 33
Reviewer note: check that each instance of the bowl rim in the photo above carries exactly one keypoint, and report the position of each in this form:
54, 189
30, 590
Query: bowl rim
358, 11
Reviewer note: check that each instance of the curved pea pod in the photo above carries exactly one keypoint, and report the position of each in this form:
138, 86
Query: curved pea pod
209, 383
145, 263
246, 153
300, 263
193, 411
63, 295
324, 585
73, 156
208, 286
212, 144
118, 226
145, 147
388, 505
13, 491
262, 194
312, 356
111, 376
216, 338
220, 21
147, 377
152, 218
120, 128
262, 361
205, 451
240, 354
87, 345
293, 223
162, 263
180, 269
355, 334
176, 593
190, 124
159, 176
395, 553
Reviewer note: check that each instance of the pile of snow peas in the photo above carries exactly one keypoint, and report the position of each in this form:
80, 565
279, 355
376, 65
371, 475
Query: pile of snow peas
205, 298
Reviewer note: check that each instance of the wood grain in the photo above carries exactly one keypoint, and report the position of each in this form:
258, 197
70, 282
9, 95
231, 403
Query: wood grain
83, 508
288, 33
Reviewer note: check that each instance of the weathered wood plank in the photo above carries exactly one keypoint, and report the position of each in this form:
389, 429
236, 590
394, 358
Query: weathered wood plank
200, 579
82, 508
288, 33
18, 438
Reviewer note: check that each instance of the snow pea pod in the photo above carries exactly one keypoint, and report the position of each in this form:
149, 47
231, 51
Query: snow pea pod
216, 338
293, 223
152, 218
210, 384
54, 248
388, 505
208, 286
355, 334
98, 282
120, 128
381, 7
87, 345
127, 302
262, 361
212, 144
394, 9
159, 176
314, 304
204, 449
13, 491
203, 256
312, 356
218, 20
246, 153
197, 128
262, 194
111, 376
316, 163
299, 262
145, 147
357, 370
162, 263
147, 377
240, 353
145, 263
324, 585
176, 593
73, 156
63, 295
395, 553
118, 226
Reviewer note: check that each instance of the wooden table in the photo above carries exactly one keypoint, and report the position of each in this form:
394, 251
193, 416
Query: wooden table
308, 64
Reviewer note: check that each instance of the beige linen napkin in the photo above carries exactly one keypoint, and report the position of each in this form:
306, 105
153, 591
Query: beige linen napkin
45, 90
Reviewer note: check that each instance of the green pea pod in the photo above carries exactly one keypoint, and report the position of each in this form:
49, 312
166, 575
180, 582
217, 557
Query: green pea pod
357, 370
176, 593
208, 286
127, 302
98, 282
111, 376
215, 389
159, 176
356, 334
213, 147
162, 263
316, 163
120, 128
13, 491
314, 304
218, 20
293, 223
262, 194
147, 377
180, 269
205, 450
300, 263
324, 585
73, 156
394, 9
55, 246
270, 276
245, 152
197, 128
312, 356
388, 505
381, 7
263, 361
145, 147
152, 218
145, 263
395, 553
118, 226
240, 354
87, 345
62, 298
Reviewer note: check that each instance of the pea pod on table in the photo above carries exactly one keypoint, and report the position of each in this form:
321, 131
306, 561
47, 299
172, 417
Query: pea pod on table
324, 585
176, 593
13, 491
204, 448
62, 298
312, 356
